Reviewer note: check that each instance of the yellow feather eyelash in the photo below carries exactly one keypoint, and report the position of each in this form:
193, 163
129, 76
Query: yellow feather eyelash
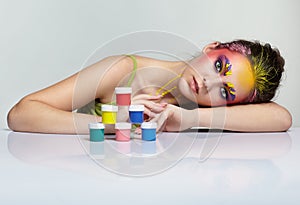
231, 88
230, 85
228, 68
229, 72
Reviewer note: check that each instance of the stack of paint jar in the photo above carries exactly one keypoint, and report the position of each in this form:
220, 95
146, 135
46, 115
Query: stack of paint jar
123, 129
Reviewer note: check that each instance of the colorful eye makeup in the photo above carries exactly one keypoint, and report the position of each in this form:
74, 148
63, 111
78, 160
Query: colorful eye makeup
223, 66
228, 66
230, 89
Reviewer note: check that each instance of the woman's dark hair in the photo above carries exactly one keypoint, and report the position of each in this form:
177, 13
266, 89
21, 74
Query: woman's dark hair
267, 66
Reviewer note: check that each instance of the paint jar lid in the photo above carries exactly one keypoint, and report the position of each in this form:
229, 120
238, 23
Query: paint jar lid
96, 125
109, 108
149, 125
123, 90
136, 108
123, 125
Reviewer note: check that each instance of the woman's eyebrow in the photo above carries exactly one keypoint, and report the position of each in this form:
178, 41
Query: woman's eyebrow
230, 88
228, 67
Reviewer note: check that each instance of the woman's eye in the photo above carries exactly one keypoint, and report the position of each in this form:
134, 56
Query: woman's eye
224, 93
218, 65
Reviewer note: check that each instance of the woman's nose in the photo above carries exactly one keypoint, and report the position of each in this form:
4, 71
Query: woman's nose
210, 82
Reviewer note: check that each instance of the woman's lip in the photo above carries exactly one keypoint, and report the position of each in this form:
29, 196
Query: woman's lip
194, 85
197, 86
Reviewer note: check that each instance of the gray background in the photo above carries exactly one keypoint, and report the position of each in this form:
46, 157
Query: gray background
42, 42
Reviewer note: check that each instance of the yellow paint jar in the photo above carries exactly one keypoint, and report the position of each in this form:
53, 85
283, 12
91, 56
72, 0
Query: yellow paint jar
109, 114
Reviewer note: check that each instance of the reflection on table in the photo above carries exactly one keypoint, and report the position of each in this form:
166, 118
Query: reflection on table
201, 150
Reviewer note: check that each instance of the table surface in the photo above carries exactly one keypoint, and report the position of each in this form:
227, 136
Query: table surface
195, 167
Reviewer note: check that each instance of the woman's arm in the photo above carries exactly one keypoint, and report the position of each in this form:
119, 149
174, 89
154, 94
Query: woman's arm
50, 110
267, 117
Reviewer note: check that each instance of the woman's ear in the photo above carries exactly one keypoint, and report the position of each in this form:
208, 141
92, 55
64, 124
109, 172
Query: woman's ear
210, 46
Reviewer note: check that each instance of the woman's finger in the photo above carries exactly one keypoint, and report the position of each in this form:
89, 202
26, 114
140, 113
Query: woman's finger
146, 97
155, 107
149, 114
152, 106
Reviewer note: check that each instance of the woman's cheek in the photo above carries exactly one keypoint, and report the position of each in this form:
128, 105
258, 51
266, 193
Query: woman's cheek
210, 99
203, 100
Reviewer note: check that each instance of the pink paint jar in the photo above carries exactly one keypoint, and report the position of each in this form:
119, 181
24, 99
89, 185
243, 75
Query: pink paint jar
123, 131
123, 95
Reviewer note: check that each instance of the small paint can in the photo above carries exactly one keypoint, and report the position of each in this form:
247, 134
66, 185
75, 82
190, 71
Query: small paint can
149, 131
123, 130
136, 114
109, 114
123, 95
96, 132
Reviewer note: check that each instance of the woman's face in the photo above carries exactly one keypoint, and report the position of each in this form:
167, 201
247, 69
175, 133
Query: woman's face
218, 77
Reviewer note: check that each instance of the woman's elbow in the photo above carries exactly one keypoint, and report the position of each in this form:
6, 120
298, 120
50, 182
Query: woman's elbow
11, 119
288, 122
14, 116
286, 119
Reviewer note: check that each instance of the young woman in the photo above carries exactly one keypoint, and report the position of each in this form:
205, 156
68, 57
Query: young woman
237, 79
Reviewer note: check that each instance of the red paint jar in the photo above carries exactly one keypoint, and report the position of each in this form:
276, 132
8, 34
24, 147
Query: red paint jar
123, 95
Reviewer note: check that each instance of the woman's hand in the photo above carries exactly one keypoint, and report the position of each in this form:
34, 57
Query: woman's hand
174, 119
152, 104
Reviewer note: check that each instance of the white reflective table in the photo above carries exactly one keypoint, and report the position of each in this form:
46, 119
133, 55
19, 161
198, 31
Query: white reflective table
178, 168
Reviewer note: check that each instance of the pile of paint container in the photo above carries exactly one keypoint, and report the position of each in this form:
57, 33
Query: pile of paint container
123, 129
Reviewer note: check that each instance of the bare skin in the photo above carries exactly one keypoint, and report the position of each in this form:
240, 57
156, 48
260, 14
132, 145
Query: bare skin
50, 110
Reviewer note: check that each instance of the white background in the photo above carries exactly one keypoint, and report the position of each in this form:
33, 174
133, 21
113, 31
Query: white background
42, 42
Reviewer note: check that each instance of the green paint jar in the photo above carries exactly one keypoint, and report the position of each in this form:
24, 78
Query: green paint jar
96, 132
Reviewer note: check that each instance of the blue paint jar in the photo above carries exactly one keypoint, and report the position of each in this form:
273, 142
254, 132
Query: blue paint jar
136, 114
96, 132
149, 131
